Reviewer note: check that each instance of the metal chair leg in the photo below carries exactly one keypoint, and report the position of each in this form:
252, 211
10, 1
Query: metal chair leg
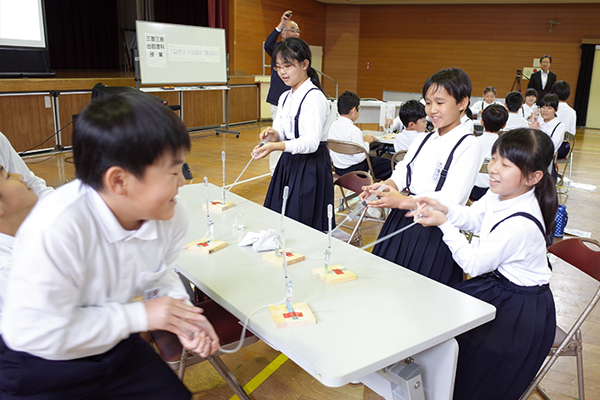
222, 369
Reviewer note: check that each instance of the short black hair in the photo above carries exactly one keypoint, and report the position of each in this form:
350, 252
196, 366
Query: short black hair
550, 100
531, 92
347, 101
494, 118
411, 111
546, 56
514, 100
561, 89
130, 130
456, 82
489, 89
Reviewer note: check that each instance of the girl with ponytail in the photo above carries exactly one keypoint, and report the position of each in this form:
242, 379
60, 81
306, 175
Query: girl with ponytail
300, 131
509, 267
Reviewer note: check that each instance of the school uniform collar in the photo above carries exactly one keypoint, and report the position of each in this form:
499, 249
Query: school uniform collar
346, 120
303, 89
454, 135
110, 226
507, 204
6, 241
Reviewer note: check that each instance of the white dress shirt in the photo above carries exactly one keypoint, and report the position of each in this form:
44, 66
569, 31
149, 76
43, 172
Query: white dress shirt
344, 129
559, 133
12, 162
468, 123
486, 141
482, 105
312, 121
405, 138
465, 164
397, 125
6, 262
544, 76
526, 111
568, 116
516, 247
76, 271
515, 121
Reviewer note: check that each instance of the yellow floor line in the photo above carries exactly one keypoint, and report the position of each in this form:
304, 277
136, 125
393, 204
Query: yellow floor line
263, 375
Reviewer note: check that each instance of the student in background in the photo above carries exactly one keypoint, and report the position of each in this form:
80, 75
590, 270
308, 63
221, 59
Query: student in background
442, 164
489, 98
549, 123
514, 102
413, 117
509, 266
70, 323
286, 28
11, 161
16, 201
493, 120
531, 97
348, 105
300, 131
566, 114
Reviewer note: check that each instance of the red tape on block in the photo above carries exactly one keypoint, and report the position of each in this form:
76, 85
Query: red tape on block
292, 315
338, 271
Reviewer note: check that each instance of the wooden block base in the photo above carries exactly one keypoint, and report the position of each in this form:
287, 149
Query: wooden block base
292, 258
218, 206
202, 246
336, 274
301, 316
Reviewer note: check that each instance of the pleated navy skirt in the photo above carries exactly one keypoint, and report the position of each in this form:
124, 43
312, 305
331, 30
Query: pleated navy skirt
420, 249
499, 360
310, 180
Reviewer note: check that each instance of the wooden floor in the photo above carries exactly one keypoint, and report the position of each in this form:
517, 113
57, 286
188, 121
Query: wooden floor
268, 374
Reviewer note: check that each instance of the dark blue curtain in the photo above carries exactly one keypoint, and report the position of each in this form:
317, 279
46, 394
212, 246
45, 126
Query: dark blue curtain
584, 82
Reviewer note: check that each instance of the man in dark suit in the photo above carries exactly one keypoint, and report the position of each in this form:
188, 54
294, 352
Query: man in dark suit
287, 28
542, 80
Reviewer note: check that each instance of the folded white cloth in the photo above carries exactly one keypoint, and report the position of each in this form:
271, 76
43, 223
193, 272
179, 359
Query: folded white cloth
262, 241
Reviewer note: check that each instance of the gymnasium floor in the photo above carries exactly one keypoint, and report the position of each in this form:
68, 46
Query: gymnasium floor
268, 374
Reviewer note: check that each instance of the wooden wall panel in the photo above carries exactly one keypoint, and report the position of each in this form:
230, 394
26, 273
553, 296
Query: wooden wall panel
68, 105
26, 122
490, 42
340, 55
243, 104
202, 108
251, 21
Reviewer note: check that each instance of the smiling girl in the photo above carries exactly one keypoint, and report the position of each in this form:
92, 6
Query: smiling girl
499, 359
442, 164
299, 130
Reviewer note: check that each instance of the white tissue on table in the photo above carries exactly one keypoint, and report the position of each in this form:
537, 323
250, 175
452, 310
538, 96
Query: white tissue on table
262, 241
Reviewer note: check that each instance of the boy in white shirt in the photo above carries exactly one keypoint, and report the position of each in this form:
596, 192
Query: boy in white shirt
413, 117
489, 97
16, 201
344, 129
493, 120
11, 161
514, 102
566, 114
70, 321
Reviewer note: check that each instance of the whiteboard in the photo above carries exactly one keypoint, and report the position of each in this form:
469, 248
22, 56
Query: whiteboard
170, 53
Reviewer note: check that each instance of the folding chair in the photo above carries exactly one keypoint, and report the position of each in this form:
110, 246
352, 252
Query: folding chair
568, 163
350, 148
397, 157
353, 181
229, 331
586, 259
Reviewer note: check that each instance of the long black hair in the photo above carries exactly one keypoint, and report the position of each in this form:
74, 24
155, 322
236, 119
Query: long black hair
295, 49
532, 150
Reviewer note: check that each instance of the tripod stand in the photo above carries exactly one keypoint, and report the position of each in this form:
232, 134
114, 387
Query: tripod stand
517, 82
